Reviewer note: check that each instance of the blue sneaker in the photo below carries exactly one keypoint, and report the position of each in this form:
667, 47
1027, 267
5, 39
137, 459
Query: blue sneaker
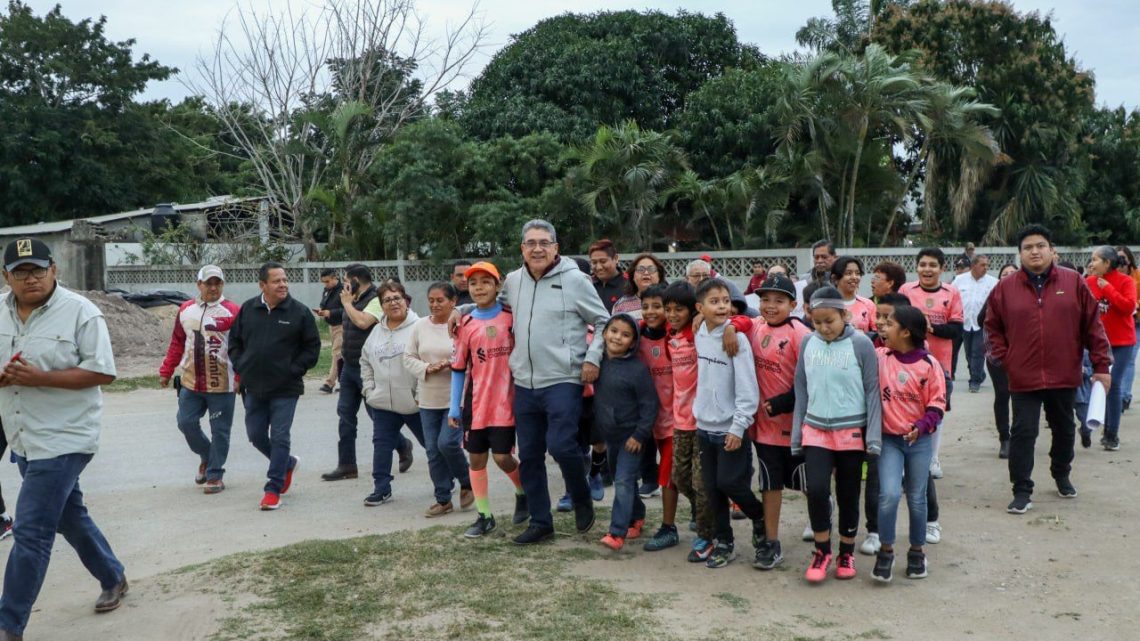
565, 504
597, 489
702, 550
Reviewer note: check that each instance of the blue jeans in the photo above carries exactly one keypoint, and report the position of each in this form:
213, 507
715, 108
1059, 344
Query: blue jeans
628, 506
267, 424
547, 419
446, 461
975, 356
50, 502
386, 438
347, 410
214, 450
1114, 404
1130, 372
896, 458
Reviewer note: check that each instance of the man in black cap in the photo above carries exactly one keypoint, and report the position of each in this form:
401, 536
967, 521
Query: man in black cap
58, 352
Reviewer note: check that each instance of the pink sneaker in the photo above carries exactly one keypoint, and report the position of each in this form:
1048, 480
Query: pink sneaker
817, 571
614, 543
845, 566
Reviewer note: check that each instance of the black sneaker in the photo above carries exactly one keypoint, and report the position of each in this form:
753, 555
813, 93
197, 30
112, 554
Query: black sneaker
1003, 451
406, 457
483, 525
915, 565
1065, 489
534, 534
1020, 504
326, 389
1086, 438
376, 498
522, 512
1111, 443
884, 565
722, 555
768, 555
584, 517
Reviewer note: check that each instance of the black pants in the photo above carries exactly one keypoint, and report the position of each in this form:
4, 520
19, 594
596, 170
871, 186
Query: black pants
728, 477
871, 499
1001, 400
957, 343
649, 462
848, 468
1058, 405
3, 448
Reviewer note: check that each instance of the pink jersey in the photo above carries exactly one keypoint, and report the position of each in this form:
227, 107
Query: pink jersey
908, 390
862, 314
655, 354
776, 350
843, 440
483, 350
941, 307
683, 358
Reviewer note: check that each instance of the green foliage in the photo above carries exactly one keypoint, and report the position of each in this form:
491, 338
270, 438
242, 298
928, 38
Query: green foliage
1111, 203
569, 74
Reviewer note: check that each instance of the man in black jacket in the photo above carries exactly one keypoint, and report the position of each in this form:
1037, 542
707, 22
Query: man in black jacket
355, 296
332, 311
273, 342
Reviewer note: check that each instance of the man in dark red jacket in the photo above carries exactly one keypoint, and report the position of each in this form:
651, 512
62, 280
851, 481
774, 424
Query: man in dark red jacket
1039, 321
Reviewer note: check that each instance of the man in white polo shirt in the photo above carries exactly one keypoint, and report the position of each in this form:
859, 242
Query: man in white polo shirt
58, 352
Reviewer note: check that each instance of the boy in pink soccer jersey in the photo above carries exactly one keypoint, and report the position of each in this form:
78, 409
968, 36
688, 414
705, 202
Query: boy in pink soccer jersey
483, 345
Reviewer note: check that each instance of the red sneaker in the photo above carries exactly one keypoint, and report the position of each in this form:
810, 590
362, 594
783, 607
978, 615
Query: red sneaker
614, 543
817, 571
270, 501
845, 566
634, 531
289, 474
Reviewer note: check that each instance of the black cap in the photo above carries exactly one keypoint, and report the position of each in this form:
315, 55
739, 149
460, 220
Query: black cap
778, 283
27, 250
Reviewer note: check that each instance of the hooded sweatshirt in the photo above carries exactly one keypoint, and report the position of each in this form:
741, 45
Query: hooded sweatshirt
551, 318
387, 384
837, 388
625, 399
727, 393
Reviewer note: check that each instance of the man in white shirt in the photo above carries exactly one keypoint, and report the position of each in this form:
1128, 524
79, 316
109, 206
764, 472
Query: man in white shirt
975, 286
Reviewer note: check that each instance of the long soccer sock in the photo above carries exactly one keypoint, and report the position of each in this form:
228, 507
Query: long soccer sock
479, 486
514, 476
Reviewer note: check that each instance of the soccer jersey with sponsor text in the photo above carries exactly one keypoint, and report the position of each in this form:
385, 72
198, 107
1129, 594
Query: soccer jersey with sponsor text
483, 348
862, 313
941, 306
775, 350
683, 361
909, 388
655, 354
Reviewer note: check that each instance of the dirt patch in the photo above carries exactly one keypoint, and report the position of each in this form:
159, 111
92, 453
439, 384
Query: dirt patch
138, 337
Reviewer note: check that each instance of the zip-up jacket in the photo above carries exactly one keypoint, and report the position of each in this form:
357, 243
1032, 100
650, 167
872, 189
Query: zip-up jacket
352, 340
200, 346
272, 349
1117, 301
386, 383
625, 398
551, 318
1038, 336
330, 300
837, 388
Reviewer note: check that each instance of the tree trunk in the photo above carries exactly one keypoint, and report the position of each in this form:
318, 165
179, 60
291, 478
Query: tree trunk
854, 181
712, 224
906, 190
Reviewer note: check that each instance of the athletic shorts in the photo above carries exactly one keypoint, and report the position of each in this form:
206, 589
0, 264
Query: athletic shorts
665, 456
779, 469
498, 440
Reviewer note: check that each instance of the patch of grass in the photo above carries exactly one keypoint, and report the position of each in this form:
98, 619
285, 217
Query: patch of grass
324, 362
133, 383
736, 602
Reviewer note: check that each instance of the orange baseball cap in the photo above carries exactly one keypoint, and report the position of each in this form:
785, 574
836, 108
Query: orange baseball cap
483, 266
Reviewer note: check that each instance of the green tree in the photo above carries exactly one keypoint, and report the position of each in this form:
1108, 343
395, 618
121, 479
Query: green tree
849, 31
569, 74
1017, 63
1111, 202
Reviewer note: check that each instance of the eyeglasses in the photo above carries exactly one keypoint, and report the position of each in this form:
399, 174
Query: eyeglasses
392, 300
534, 244
23, 274
646, 269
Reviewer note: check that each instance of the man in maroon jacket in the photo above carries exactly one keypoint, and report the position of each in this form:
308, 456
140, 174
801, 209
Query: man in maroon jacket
1039, 321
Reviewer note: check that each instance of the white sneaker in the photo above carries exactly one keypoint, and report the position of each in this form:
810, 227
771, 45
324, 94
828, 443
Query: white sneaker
933, 532
935, 468
809, 534
870, 545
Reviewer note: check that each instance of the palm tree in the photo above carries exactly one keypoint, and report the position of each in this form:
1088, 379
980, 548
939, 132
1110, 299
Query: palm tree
701, 193
626, 173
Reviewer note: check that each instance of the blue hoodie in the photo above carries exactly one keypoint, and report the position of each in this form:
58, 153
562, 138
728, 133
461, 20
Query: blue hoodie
625, 399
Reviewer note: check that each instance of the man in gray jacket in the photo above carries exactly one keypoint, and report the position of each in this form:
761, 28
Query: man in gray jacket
554, 304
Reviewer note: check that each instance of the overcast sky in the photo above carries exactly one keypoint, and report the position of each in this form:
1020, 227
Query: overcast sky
1103, 35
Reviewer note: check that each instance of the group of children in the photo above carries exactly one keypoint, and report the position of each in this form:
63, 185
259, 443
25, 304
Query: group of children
817, 403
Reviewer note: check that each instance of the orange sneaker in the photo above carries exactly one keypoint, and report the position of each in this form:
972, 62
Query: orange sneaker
614, 543
634, 531
270, 501
293, 463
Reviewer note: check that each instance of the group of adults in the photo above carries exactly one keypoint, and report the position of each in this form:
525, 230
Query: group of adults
1033, 327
